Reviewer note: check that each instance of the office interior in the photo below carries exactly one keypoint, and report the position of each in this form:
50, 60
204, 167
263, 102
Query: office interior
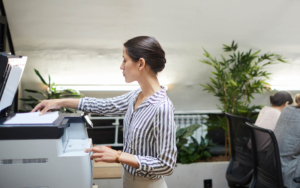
79, 44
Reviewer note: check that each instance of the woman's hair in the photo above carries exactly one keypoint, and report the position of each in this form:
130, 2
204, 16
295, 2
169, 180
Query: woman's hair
280, 98
149, 49
297, 100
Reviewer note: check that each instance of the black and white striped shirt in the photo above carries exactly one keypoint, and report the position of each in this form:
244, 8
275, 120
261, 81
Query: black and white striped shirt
149, 131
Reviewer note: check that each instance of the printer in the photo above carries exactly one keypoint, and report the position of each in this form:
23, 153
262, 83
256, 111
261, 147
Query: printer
40, 155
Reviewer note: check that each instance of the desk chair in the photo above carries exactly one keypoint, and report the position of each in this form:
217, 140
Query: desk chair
239, 171
266, 162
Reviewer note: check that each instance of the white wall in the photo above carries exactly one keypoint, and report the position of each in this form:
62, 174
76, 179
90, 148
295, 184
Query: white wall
80, 42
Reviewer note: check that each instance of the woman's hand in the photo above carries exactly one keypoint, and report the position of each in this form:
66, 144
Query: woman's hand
47, 105
103, 154
108, 155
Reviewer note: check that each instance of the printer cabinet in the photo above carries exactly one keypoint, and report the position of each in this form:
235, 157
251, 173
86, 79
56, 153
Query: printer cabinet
50, 162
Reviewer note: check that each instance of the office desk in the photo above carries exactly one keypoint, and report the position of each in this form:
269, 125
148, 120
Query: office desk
107, 170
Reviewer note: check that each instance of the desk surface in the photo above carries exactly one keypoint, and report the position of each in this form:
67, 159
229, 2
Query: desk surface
104, 165
107, 170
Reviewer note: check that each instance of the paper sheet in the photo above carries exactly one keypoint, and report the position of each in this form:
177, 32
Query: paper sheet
33, 118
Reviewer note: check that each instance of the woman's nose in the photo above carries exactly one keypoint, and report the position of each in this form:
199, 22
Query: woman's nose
122, 67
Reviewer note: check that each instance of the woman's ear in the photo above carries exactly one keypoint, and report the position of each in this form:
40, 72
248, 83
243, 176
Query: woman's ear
142, 63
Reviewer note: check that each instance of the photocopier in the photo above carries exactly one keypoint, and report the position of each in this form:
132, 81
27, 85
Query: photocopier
40, 155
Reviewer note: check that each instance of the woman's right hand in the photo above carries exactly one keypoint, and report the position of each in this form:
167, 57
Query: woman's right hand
47, 105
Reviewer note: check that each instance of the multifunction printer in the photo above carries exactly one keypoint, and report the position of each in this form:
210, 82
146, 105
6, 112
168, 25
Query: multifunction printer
40, 155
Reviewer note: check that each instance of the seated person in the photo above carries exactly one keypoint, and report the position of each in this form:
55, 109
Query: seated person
287, 133
268, 116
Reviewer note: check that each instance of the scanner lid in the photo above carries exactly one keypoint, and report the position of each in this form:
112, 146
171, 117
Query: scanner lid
10, 78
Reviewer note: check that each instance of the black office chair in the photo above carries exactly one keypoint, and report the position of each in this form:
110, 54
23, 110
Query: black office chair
266, 160
239, 171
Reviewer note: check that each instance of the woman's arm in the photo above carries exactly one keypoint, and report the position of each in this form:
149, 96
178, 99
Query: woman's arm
110, 106
46, 105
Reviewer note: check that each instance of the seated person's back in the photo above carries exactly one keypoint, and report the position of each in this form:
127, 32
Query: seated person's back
268, 117
287, 133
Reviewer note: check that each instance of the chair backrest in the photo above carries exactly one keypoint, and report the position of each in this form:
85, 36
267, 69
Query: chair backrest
266, 162
240, 139
240, 166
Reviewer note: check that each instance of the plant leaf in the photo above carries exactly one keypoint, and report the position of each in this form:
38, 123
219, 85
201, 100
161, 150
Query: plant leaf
41, 78
49, 83
34, 91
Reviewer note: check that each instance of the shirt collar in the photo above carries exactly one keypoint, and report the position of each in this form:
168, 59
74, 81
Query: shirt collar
158, 96
155, 98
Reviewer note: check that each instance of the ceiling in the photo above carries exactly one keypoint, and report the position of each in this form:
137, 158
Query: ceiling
80, 42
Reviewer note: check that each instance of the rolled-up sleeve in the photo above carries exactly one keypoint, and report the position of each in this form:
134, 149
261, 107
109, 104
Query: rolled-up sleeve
165, 145
110, 106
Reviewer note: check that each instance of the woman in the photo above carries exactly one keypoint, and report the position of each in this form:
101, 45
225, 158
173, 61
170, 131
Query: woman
268, 116
287, 133
149, 151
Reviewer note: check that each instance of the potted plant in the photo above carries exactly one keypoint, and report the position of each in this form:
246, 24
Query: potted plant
51, 93
236, 79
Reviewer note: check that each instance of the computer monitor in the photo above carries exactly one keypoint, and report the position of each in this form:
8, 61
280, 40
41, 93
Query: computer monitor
12, 68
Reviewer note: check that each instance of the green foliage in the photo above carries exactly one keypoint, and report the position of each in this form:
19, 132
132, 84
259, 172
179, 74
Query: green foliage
183, 133
216, 122
203, 148
237, 78
193, 151
51, 93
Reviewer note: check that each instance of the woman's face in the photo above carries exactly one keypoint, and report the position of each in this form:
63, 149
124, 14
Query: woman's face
130, 69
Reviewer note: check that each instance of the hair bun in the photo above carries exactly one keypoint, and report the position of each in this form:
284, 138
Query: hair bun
149, 49
273, 100
280, 98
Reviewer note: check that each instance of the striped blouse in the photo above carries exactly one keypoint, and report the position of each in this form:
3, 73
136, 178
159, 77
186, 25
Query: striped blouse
149, 131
